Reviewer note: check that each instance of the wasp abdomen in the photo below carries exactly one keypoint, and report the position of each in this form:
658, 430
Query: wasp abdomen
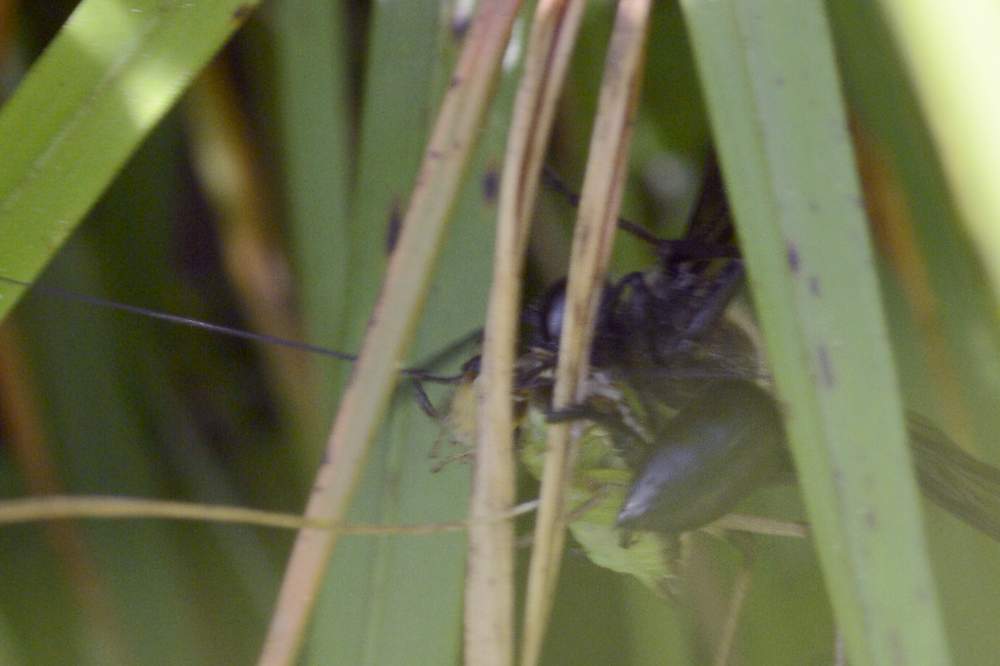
717, 450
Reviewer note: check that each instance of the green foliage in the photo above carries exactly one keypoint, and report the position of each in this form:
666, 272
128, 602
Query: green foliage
767, 76
109, 76
600, 481
338, 99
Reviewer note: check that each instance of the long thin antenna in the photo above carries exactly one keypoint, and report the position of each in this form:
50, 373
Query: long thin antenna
230, 331
555, 183
691, 249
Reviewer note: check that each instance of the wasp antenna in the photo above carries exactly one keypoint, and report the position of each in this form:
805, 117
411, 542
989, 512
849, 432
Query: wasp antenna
417, 373
555, 183
97, 301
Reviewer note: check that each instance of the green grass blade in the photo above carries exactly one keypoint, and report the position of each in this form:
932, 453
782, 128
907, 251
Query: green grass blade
108, 77
372, 609
775, 104
401, 57
315, 114
114, 425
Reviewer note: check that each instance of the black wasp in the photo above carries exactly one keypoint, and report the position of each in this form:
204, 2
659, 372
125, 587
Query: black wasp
680, 424
693, 421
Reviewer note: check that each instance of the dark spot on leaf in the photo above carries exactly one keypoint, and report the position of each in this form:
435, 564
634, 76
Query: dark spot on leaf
460, 26
812, 206
393, 227
826, 377
793, 257
871, 519
455, 82
814, 287
491, 185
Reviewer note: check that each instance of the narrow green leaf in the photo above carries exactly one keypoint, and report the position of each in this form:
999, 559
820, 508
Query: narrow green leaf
775, 105
108, 77
402, 44
311, 48
112, 417
373, 610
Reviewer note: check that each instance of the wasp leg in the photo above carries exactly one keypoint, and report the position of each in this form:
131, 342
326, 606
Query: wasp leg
586, 412
424, 401
422, 373
628, 442
716, 298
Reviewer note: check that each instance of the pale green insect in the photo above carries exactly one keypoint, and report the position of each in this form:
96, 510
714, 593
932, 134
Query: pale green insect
601, 477
600, 482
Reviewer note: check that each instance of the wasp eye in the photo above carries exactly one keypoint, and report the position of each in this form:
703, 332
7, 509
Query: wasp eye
552, 314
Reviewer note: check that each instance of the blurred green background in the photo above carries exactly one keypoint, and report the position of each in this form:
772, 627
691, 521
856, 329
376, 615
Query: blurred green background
264, 200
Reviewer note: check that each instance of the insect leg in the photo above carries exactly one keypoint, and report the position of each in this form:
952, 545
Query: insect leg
612, 422
424, 401
715, 297
695, 247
